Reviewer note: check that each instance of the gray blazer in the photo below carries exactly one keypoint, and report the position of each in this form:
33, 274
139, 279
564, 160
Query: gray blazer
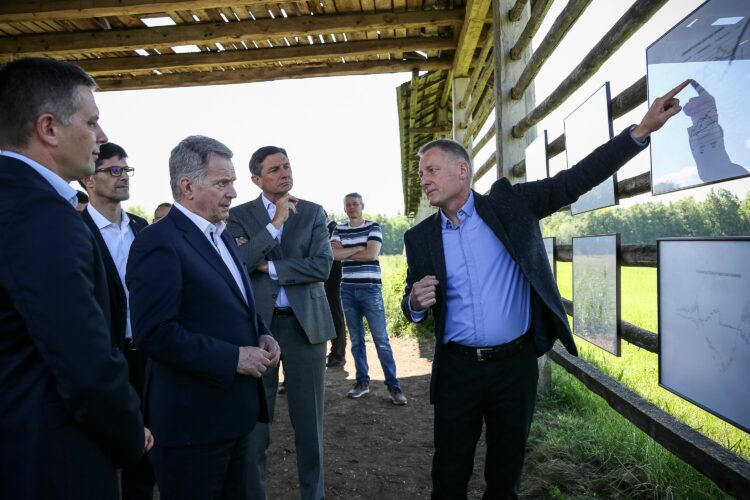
302, 260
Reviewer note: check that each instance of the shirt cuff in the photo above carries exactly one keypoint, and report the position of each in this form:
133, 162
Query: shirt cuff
272, 271
640, 143
273, 231
416, 316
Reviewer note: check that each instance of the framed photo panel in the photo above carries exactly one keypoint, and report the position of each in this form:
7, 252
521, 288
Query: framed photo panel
704, 324
537, 167
549, 246
709, 141
596, 291
587, 128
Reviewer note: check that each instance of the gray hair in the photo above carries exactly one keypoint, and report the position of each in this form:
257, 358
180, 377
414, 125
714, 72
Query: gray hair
190, 159
354, 195
452, 148
32, 86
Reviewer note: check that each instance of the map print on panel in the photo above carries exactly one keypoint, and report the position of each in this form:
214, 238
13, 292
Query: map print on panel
587, 128
704, 324
709, 141
596, 304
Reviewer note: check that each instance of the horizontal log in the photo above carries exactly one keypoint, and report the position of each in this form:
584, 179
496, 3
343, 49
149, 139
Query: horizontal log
195, 79
486, 167
37, 10
637, 15
479, 68
639, 337
514, 14
484, 140
205, 60
730, 472
538, 11
61, 44
630, 255
445, 130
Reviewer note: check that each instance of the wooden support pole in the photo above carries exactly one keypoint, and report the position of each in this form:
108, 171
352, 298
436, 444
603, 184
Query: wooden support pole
637, 15
459, 115
477, 93
485, 139
478, 69
486, 167
479, 118
538, 11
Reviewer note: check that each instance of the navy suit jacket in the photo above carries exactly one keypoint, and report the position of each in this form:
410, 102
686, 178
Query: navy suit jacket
117, 299
513, 213
68, 415
190, 318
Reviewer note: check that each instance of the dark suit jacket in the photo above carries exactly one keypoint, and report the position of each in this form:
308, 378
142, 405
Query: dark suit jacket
513, 213
117, 299
190, 318
68, 416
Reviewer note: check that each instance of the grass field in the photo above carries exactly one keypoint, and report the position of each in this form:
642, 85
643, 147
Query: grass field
580, 447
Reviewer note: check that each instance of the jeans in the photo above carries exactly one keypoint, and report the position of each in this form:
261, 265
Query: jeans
366, 301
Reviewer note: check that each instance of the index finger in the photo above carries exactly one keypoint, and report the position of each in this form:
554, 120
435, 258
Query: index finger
669, 95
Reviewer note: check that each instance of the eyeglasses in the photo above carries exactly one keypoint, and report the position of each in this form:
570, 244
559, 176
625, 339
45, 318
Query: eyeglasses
116, 171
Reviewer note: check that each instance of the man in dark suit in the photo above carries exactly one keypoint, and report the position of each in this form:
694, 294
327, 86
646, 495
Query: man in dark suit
479, 264
114, 231
284, 242
194, 316
68, 416
337, 354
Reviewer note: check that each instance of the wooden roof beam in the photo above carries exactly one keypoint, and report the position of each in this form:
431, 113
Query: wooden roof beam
476, 16
114, 65
39, 10
195, 79
62, 44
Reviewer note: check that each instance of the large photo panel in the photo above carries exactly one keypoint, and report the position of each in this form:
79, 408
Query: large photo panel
587, 128
596, 291
709, 141
537, 166
704, 324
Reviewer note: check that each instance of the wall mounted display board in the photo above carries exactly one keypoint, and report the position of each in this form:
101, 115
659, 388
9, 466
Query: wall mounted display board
596, 290
709, 141
587, 128
549, 246
537, 167
704, 324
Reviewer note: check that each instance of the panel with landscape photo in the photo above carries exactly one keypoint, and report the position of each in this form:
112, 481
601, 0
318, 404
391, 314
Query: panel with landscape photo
549, 247
536, 158
709, 141
587, 128
704, 324
596, 291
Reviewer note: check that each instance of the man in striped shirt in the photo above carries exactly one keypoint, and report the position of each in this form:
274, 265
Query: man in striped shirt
357, 245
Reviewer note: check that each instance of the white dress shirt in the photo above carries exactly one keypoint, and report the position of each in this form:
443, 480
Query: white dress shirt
281, 300
118, 238
212, 232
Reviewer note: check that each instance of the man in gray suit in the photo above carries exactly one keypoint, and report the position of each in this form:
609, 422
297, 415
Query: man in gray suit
284, 243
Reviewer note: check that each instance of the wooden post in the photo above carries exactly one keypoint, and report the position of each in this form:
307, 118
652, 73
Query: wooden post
508, 111
460, 109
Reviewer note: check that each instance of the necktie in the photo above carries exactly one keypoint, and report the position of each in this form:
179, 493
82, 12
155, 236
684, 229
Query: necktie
214, 241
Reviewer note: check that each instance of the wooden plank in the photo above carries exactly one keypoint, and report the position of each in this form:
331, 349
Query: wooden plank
476, 15
514, 14
31, 10
635, 17
207, 33
115, 65
479, 67
538, 12
730, 472
196, 79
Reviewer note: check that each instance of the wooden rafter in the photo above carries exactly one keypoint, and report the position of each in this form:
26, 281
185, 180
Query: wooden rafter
476, 16
62, 44
113, 65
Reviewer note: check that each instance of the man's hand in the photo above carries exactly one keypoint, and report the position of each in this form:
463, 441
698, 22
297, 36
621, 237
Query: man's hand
269, 344
149, 440
240, 240
659, 113
286, 205
423, 294
263, 266
253, 361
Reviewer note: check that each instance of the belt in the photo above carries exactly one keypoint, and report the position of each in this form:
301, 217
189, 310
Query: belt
283, 311
490, 353
128, 344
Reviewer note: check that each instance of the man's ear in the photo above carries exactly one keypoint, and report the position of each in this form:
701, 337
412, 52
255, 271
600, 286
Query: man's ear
256, 180
186, 188
46, 128
88, 182
463, 169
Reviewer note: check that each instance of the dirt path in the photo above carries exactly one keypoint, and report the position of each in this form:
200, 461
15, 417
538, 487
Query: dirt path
373, 449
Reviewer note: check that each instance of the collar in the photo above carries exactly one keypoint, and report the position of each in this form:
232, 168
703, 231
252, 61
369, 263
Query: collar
464, 213
102, 222
64, 189
204, 225
267, 204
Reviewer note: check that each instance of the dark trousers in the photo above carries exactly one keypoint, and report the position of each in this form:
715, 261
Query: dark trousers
202, 472
333, 294
501, 393
137, 481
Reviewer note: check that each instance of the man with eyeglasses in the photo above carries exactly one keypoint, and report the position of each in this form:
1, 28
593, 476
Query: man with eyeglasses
114, 231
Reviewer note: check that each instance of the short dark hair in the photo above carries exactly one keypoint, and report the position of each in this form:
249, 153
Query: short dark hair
453, 148
109, 150
354, 195
165, 204
256, 160
32, 86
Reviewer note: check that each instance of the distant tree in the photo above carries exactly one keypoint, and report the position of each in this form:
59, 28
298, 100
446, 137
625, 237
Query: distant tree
140, 211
